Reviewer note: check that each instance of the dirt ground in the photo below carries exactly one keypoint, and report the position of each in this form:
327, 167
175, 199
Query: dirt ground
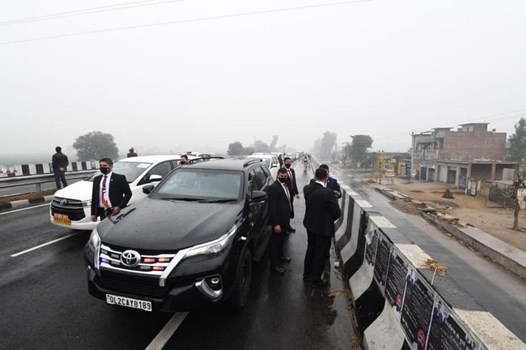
477, 211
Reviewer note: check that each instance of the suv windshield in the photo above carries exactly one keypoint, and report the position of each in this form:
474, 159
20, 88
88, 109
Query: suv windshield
200, 184
132, 170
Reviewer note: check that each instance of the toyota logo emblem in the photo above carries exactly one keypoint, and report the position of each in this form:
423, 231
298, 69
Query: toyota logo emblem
63, 201
130, 258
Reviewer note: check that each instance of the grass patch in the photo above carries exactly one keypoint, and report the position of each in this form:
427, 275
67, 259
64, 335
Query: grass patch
31, 195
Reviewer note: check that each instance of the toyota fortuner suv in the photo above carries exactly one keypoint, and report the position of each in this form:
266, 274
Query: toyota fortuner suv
190, 243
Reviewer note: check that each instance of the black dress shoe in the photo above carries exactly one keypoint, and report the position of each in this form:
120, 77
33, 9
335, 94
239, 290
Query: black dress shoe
319, 283
278, 269
284, 259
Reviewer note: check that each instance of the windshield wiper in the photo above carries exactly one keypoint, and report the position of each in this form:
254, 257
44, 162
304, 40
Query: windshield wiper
219, 200
188, 199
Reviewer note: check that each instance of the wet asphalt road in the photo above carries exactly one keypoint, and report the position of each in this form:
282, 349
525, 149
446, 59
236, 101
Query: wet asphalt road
45, 304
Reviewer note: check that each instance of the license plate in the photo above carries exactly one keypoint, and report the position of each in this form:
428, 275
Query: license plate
61, 219
129, 302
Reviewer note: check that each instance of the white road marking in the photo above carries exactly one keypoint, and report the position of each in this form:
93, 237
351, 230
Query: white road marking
168, 330
22, 209
44, 244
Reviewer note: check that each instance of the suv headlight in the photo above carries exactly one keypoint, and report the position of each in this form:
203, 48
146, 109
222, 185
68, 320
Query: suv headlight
86, 204
213, 247
94, 241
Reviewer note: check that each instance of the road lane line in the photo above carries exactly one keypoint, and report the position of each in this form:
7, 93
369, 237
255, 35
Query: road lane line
44, 244
168, 330
22, 209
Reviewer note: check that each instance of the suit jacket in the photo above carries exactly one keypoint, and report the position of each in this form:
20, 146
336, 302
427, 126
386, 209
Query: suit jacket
321, 209
59, 160
332, 184
119, 192
293, 187
278, 204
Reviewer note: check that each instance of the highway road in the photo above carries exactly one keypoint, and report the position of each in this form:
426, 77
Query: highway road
45, 304
493, 288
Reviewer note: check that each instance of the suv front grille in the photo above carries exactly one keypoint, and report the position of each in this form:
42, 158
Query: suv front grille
70, 207
135, 285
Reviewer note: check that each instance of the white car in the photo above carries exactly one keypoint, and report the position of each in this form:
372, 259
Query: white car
270, 160
71, 206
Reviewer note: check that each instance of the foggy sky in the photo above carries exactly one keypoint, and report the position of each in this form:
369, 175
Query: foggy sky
169, 76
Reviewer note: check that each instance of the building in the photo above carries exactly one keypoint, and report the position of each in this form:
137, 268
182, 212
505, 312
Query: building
456, 156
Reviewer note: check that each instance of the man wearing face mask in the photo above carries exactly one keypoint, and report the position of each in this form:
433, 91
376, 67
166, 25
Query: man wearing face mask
321, 210
183, 160
111, 192
293, 188
279, 209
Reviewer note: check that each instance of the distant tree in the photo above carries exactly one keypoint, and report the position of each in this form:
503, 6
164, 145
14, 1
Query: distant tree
96, 145
273, 143
235, 149
260, 146
359, 146
518, 143
248, 150
323, 147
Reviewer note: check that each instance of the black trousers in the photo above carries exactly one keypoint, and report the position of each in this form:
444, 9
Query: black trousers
60, 176
318, 250
277, 240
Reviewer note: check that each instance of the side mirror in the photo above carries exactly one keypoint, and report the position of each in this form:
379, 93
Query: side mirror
155, 178
259, 196
148, 188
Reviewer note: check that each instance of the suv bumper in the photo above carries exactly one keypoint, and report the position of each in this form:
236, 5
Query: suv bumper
187, 294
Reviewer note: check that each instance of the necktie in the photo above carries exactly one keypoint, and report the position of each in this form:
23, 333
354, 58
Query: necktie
291, 179
287, 193
104, 199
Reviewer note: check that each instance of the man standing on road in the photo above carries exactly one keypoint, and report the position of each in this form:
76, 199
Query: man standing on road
293, 189
60, 162
332, 183
183, 160
279, 207
321, 210
131, 153
111, 192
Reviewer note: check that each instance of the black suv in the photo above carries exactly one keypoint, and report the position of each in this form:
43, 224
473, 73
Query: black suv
191, 242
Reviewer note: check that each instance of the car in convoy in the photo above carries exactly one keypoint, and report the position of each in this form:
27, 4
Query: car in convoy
190, 243
71, 206
270, 160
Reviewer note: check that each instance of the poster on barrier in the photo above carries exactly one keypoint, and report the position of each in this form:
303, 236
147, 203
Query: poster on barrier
382, 262
371, 238
417, 310
446, 332
395, 284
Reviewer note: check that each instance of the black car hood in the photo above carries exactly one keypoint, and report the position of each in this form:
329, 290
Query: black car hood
155, 224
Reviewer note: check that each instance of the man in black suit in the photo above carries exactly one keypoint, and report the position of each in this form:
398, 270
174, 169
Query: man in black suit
332, 183
60, 162
111, 192
279, 210
321, 210
293, 188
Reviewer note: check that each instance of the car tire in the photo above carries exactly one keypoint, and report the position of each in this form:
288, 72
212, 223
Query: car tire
243, 280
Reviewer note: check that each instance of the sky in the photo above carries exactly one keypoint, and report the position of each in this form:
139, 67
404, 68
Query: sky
171, 76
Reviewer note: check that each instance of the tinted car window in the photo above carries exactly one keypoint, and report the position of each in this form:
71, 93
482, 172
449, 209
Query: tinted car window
196, 183
261, 177
131, 170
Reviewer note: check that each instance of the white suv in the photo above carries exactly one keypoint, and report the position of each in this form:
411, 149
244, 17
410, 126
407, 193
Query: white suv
270, 160
71, 206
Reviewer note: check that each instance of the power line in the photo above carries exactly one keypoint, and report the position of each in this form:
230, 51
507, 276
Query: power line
201, 19
107, 8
